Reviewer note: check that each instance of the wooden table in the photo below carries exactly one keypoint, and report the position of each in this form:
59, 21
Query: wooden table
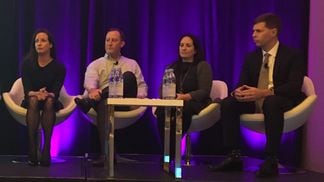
168, 104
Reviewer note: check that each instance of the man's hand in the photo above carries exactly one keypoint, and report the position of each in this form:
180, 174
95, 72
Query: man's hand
184, 97
141, 96
248, 94
95, 94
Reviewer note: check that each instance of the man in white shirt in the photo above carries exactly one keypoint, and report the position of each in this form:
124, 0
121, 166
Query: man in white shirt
96, 82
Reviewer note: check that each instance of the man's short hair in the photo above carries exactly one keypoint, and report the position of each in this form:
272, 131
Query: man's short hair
122, 35
271, 20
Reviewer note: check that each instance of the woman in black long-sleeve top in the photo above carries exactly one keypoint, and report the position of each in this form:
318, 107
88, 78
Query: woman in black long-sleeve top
193, 82
42, 77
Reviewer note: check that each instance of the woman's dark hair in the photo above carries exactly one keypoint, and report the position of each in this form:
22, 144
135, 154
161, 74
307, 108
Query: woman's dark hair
32, 54
199, 55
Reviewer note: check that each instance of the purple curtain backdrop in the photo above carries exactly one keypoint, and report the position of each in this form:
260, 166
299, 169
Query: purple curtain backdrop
152, 30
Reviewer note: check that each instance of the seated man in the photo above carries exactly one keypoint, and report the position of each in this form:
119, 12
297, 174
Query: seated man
96, 82
270, 83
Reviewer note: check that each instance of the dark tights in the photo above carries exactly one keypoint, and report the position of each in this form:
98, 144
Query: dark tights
47, 119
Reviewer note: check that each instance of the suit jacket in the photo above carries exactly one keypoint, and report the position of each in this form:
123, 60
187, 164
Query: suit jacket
288, 74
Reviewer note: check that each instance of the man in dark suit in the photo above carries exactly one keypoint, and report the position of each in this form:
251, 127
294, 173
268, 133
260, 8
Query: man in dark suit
270, 83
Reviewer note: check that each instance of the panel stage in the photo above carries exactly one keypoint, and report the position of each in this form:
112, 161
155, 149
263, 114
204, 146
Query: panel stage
133, 167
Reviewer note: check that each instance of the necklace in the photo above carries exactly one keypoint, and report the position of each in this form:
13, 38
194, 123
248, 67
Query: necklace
185, 69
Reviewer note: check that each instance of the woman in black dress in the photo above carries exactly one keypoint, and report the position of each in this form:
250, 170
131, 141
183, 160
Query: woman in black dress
42, 77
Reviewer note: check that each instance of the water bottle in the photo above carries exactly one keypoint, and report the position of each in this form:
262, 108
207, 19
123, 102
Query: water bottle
169, 85
172, 85
119, 82
168, 92
111, 81
165, 84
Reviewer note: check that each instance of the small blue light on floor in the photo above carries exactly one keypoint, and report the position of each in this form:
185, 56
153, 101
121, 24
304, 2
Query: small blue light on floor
166, 158
178, 172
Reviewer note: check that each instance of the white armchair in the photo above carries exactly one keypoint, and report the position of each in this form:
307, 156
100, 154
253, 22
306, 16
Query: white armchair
123, 119
294, 118
207, 117
14, 97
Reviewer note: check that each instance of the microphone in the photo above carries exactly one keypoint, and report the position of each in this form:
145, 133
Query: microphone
109, 57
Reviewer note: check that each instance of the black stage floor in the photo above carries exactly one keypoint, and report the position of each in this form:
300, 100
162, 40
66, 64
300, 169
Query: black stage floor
137, 168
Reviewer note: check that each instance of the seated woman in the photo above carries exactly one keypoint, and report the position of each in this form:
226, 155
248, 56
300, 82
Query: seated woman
193, 84
42, 77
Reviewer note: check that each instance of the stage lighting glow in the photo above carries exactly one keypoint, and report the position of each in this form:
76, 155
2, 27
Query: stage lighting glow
166, 158
178, 173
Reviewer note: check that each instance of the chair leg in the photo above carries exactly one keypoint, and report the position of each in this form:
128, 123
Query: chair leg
188, 149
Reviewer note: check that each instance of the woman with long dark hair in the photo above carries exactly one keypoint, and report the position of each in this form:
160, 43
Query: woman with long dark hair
193, 82
42, 77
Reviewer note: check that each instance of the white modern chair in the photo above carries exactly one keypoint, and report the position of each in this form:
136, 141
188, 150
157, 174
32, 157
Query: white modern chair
294, 118
207, 117
123, 119
14, 97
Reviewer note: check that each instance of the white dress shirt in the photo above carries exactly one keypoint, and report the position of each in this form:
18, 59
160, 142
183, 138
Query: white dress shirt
272, 58
98, 72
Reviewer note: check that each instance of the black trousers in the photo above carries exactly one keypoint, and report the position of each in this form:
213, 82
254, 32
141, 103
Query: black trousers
273, 110
189, 109
130, 91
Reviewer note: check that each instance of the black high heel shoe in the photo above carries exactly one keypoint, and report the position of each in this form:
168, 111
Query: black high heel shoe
45, 161
32, 161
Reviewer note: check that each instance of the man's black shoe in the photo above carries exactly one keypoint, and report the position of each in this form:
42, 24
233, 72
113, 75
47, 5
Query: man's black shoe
269, 168
83, 104
229, 164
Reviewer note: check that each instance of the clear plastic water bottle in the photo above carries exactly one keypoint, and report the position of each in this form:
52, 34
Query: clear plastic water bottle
165, 84
119, 82
172, 85
169, 85
111, 81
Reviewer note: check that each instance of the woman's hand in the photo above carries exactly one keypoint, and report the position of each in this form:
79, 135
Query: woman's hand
42, 94
184, 97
